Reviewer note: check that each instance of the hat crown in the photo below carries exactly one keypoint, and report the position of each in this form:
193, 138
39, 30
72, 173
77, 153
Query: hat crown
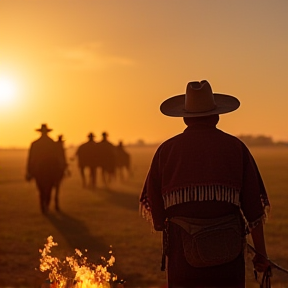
199, 97
199, 101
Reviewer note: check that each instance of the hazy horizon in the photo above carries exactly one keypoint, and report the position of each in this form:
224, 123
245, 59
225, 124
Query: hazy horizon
142, 141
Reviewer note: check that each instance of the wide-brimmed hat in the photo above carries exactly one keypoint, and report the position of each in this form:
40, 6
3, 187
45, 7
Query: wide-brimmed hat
199, 101
44, 128
90, 135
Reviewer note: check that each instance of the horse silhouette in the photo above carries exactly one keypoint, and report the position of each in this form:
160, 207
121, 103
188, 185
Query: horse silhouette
87, 154
123, 161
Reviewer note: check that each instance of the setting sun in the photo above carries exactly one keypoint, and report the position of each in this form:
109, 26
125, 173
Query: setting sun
7, 91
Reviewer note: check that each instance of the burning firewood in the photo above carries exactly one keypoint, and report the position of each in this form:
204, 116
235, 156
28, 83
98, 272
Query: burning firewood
75, 271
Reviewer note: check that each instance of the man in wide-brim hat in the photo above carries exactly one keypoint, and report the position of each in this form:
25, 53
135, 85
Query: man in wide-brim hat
44, 165
205, 178
37, 151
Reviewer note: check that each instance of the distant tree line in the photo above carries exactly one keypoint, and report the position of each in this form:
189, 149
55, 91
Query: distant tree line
260, 140
249, 140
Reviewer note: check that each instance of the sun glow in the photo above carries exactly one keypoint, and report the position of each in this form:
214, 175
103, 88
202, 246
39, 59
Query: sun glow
8, 90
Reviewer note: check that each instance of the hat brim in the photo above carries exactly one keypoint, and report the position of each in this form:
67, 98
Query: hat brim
43, 130
175, 106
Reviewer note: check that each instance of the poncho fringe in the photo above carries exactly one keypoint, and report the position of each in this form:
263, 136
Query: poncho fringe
202, 193
193, 193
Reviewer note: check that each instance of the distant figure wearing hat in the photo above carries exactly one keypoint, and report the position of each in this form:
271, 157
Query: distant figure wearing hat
44, 165
64, 163
64, 171
107, 159
87, 154
204, 191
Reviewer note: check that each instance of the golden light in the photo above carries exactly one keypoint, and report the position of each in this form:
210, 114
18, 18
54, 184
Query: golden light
8, 89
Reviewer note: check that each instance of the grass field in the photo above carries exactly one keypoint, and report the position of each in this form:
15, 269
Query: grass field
96, 219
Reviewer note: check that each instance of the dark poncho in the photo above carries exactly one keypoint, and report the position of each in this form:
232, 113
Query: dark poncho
202, 173
203, 163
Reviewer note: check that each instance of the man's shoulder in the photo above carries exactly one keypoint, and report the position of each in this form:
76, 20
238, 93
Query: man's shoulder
232, 138
42, 140
170, 141
83, 145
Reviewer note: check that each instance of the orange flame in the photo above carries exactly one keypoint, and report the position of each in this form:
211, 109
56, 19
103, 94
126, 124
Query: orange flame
75, 271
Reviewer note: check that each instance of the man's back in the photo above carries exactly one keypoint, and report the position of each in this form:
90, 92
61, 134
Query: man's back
87, 154
107, 155
43, 157
200, 153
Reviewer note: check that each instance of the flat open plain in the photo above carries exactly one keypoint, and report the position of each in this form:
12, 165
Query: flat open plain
96, 219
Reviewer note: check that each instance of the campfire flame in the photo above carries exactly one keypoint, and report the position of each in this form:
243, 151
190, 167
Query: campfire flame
75, 271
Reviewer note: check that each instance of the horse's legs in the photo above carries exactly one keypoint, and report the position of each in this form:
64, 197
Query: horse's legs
112, 175
129, 170
124, 172
82, 172
120, 173
104, 176
93, 171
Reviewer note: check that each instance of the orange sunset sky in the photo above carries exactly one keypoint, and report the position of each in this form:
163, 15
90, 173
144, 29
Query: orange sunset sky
93, 65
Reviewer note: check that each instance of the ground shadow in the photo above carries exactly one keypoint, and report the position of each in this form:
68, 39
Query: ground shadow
120, 198
77, 234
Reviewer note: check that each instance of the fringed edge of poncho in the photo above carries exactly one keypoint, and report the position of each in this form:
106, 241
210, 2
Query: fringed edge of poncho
202, 193
262, 219
192, 193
